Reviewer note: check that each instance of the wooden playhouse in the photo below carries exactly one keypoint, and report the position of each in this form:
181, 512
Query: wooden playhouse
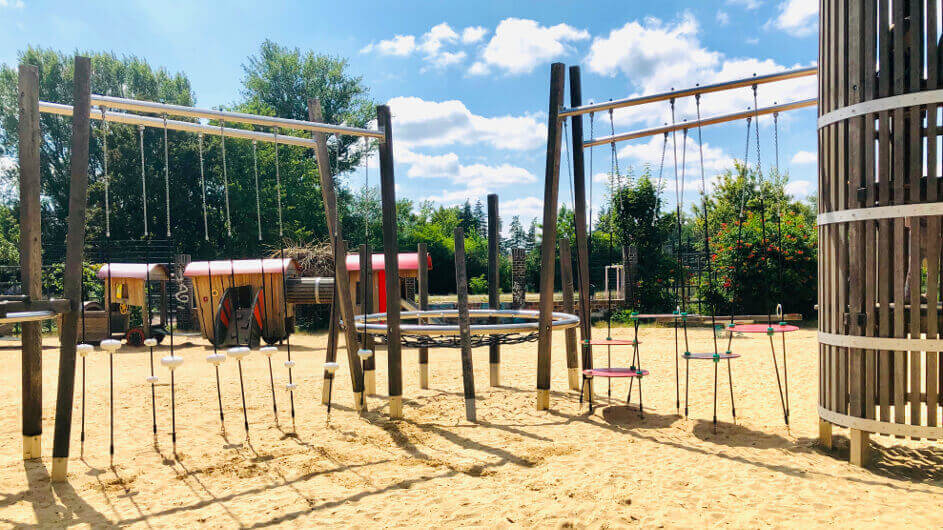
408, 268
241, 301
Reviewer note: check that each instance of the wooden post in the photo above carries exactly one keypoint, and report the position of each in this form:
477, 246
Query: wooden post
566, 278
72, 276
31, 258
825, 434
330, 354
518, 269
366, 301
464, 324
860, 447
423, 279
548, 245
494, 284
341, 281
579, 218
391, 263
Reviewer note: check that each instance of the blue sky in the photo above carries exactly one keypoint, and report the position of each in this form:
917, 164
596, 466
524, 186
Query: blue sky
467, 82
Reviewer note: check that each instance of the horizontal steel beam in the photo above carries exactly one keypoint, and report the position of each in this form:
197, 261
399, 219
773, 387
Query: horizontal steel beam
665, 129
137, 105
674, 94
174, 125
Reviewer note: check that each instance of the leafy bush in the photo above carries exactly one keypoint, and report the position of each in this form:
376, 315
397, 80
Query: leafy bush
478, 285
750, 273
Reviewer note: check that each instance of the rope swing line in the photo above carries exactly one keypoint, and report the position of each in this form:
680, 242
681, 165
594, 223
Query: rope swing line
281, 254
264, 291
710, 279
206, 228
216, 358
237, 352
172, 361
366, 343
765, 243
779, 244
613, 175
146, 312
680, 314
635, 370
738, 255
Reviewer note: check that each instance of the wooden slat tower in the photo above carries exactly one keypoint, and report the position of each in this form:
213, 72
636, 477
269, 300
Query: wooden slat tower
880, 208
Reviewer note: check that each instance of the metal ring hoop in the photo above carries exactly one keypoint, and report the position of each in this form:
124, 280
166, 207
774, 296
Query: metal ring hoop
559, 321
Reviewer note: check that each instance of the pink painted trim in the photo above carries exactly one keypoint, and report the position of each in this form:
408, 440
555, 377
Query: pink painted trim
763, 328
408, 261
137, 271
239, 266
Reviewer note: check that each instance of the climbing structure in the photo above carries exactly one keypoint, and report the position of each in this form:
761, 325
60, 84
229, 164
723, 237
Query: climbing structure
880, 202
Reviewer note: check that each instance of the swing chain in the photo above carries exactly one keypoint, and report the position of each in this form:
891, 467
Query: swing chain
278, 187
206, 229
107, 178
255, 171
143, 178
166, 177
222, 134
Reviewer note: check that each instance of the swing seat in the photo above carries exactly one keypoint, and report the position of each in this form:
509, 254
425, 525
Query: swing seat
611, 342
614, 372
709, 356
763, 328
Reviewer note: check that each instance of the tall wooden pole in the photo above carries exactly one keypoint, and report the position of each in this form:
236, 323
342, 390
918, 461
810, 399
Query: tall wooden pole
72, 276
341, 281
366, 302
579, 211
494, 284
423, 280
548, 245
464, 324
31, 258
391, 263
566, 278
330, 354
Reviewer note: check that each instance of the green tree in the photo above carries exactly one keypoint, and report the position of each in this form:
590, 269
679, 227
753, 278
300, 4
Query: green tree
126, 76
636, 219
279, 81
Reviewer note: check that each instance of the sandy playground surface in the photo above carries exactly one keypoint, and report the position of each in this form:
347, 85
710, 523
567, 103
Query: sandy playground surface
516, 467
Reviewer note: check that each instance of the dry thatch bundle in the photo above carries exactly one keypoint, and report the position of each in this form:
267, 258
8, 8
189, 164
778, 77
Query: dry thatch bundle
314, 258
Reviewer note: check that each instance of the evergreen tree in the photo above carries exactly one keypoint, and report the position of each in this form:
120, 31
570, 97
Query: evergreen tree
481, 219
517, 238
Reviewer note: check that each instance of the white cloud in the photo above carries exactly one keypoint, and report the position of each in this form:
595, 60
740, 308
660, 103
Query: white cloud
798, 18
652, 50
657, 57
804, 157
479, 68
715, 158
437, 36
473, 34
399, 45
519, 45
15, 4
431, 45
447, 166
526, 208
746, 4
429, 123
447, 58
723, 18
799, 188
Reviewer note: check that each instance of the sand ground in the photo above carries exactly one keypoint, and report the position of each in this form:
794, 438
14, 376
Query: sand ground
516, 467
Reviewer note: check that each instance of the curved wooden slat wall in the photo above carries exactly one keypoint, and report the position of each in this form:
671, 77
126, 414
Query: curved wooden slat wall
879, 271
